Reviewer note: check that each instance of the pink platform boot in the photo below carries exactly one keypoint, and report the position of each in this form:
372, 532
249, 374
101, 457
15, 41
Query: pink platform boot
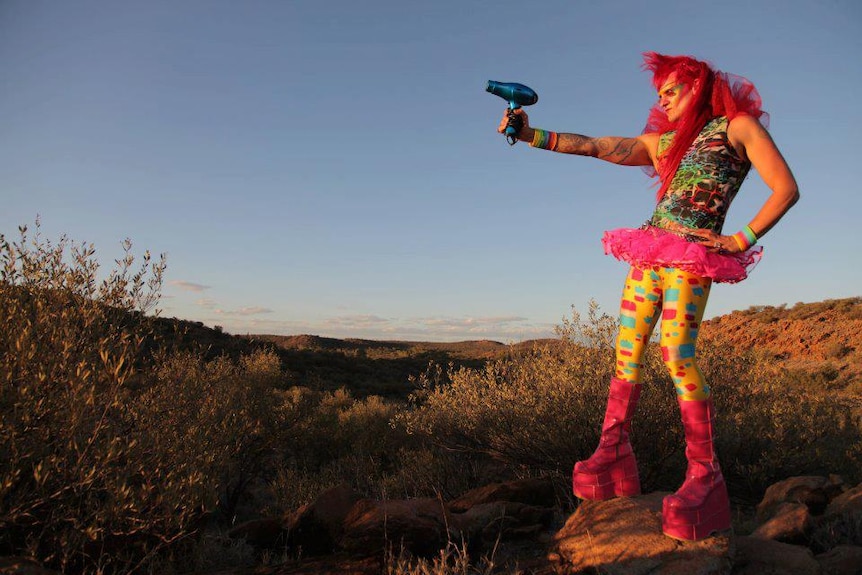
612, 470
701, 506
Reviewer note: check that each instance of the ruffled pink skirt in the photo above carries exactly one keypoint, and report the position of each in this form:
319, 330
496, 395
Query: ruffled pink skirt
649, 247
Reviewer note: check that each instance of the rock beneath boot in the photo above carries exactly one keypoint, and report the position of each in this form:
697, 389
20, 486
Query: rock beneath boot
538, 492
791, 523
813, 491
842, 560
623, 536
761, 556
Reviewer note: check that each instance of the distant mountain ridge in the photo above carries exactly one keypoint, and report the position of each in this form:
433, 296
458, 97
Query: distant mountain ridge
804, 335
821, 338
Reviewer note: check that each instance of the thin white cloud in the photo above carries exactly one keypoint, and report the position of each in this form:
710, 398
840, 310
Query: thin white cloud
473, 323
245, 311
206, 303
357, 321
189, 286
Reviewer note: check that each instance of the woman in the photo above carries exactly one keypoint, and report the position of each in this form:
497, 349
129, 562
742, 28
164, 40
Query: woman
701, 139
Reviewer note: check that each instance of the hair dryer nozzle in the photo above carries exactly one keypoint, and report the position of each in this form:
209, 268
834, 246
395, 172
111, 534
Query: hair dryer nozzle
517, 94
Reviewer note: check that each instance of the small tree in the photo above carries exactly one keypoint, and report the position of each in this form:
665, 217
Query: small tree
69, 344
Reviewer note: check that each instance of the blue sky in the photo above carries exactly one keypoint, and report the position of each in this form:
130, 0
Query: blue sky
332, 167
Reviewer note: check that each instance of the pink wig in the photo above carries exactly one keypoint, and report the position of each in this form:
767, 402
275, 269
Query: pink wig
714, 94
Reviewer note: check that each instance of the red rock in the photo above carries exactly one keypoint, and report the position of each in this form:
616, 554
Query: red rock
538, 492
420, 526
791, 523
812, 491
848, 502
624, 535
762, 556
316, 528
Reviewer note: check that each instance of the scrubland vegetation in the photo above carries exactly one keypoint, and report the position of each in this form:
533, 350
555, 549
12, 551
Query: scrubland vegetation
122, 451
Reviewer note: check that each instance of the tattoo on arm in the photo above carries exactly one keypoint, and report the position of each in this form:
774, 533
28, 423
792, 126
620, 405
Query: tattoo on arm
611, 149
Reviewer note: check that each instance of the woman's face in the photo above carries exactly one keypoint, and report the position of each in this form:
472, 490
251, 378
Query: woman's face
674, 97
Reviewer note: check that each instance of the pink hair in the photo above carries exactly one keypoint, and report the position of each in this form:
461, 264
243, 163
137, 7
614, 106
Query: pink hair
714, 94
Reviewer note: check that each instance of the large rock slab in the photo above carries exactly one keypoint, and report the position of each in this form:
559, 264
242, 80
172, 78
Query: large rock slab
623, 536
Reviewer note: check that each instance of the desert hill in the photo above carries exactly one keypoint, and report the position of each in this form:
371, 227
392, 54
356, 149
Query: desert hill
822, 339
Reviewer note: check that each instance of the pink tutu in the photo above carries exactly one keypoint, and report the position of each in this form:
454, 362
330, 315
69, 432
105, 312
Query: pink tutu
648, 247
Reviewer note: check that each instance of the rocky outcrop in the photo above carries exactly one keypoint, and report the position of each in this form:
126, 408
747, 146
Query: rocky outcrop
814, 492
420, 526
806, 525
339, 521
624, 536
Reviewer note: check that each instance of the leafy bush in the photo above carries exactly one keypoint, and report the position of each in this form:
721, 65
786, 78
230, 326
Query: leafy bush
329, 438
97, 474
69, 344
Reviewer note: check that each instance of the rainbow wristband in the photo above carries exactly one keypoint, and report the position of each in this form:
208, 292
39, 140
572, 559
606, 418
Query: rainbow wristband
745, 238
544, 139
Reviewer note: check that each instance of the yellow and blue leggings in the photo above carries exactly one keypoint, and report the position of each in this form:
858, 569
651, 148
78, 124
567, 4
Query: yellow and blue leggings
679, 298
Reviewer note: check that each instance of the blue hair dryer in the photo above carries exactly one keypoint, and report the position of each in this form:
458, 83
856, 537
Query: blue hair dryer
517, 95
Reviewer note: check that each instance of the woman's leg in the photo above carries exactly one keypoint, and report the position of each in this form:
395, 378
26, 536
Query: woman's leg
685, 297
639, 309
612, 470
701, 506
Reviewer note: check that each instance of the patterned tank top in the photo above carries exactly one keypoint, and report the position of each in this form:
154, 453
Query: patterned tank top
708, 178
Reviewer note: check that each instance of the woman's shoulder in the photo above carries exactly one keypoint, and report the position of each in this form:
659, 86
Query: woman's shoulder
744, 122
743, 128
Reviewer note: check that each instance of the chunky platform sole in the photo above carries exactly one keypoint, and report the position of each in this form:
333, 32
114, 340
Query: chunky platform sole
699, 522
619, 479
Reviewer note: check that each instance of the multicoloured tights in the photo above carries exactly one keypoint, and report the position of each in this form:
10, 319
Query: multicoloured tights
680, 299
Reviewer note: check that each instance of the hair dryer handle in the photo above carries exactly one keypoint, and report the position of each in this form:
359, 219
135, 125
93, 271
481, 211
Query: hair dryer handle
515, 124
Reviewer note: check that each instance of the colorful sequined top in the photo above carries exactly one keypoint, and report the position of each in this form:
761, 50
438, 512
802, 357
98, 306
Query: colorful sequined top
708, 178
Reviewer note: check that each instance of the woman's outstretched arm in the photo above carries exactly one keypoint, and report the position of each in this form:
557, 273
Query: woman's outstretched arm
637, 151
